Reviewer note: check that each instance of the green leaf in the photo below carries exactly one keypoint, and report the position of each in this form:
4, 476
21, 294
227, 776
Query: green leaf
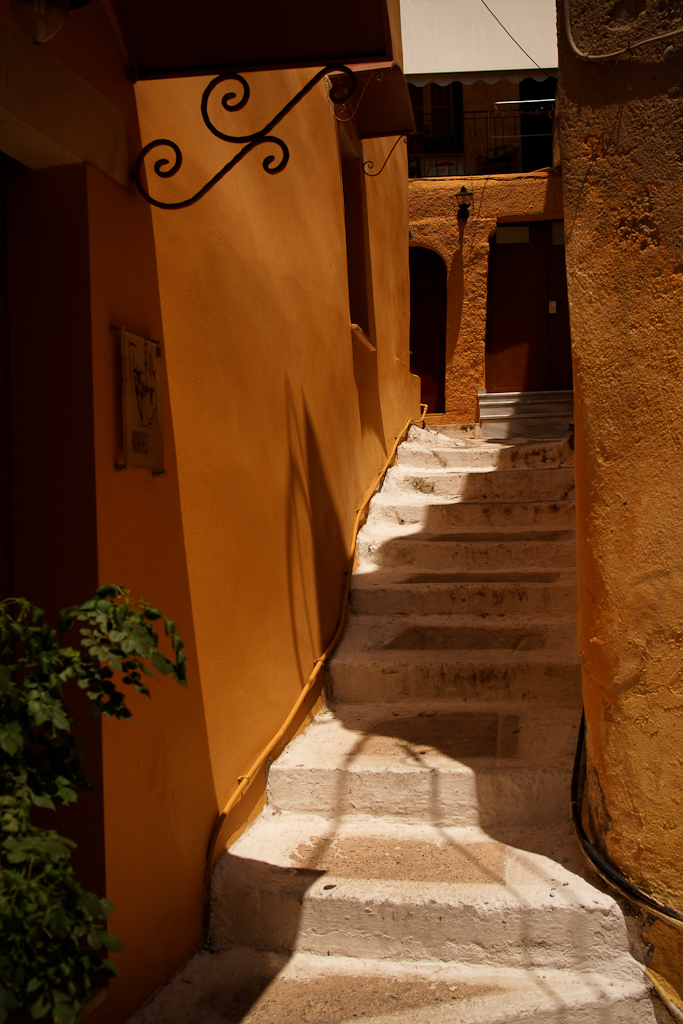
169, 626
108, 967
11, 737
161, 663
63, 1013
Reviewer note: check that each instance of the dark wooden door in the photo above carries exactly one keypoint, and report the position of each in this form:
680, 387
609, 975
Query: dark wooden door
527, 321
428, 324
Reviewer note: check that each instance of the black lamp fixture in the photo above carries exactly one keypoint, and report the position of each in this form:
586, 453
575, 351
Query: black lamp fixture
464, 201
41, 20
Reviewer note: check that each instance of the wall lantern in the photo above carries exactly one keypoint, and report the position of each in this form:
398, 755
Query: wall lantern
464, 201
41, 20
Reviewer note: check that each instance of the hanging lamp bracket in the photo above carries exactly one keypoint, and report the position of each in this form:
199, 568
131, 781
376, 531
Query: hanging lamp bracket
232, 102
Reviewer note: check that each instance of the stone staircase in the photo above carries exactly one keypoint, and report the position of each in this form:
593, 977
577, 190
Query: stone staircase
415, 862
514, 414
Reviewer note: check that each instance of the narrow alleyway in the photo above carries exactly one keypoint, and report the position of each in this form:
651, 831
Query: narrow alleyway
416, 861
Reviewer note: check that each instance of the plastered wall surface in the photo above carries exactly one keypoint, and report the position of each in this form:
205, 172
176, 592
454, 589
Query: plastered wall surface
624, 228
279, 417
464, 248
275, 421
81, 259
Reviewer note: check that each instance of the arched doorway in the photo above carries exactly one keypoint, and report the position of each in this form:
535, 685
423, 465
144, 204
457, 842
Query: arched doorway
428, 324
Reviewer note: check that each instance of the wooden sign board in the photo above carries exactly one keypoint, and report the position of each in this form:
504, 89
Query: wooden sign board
143, 443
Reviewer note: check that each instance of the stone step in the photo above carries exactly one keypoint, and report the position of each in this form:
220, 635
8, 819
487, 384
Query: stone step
256, 987
537, 677
444, 453
426, 634
487, 458
442, 592
540, 425
441, 894
500, 551
436, 517
539, 414
557, 399
485, 485
455, 764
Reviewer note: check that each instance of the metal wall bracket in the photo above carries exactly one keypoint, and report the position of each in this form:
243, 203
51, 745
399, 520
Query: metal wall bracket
166, 168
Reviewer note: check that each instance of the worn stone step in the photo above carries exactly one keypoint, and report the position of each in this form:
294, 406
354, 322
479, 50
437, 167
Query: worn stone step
453, 764
443, 592
482, 456
255, 987
530, 911
397, 546
426, 634
537, 677
483, 485
437, 517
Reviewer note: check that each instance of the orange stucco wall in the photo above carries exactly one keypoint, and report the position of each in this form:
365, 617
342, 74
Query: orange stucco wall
464, 248
275, 420
280, 417
624, 230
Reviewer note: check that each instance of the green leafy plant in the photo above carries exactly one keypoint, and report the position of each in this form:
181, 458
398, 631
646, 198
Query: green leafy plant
54, 933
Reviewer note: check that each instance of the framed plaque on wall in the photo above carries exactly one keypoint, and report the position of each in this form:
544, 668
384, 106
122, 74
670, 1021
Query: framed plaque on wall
143, 443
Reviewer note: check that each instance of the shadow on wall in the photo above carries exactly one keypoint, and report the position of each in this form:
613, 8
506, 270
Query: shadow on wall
456, 299
314, 540
316, 556
428, 310
365, 375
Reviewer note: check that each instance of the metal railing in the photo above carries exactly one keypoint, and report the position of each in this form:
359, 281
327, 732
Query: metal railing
516, 135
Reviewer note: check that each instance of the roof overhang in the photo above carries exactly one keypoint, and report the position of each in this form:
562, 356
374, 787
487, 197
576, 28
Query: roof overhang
490, 77
202, 37
380, 104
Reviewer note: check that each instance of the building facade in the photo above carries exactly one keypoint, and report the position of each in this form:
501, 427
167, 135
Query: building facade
276, 413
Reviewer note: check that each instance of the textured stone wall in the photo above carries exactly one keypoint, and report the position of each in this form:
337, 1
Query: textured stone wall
464, 248
620, 135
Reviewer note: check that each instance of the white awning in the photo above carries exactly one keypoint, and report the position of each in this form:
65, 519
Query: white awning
449, 40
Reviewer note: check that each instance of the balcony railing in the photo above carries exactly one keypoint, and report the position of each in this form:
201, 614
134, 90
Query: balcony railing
513, 136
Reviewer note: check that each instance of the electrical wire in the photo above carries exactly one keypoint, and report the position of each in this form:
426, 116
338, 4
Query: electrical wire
511, 35
615, 53
606, 871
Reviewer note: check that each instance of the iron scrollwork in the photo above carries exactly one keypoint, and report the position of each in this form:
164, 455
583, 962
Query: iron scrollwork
272, 164
368, 165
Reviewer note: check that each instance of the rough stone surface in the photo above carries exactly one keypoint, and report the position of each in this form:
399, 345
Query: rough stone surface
622, 177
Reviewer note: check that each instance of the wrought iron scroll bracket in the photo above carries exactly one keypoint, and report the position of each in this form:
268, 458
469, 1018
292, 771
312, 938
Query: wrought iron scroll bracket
272, 164
369, 164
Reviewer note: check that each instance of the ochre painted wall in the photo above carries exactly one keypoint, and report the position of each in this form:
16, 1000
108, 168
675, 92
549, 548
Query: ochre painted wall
464, 248
275, 421
81, 259
624, 245
280, 417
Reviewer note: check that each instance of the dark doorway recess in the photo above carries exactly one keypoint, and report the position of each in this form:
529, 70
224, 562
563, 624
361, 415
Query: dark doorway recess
6, 587
528, 344
536, 126
428, 324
